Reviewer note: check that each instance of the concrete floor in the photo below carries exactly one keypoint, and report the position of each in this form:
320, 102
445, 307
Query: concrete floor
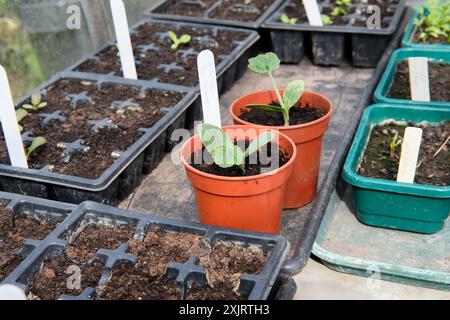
318, 282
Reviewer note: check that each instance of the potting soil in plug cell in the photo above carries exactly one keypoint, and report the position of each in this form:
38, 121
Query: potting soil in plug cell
439, 77
87, 124
168, 52
382, 155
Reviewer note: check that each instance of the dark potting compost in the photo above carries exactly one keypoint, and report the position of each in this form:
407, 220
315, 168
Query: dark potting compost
380, 161
202, 160
87, 125
156, 59
14, 230
297, 115
439, 76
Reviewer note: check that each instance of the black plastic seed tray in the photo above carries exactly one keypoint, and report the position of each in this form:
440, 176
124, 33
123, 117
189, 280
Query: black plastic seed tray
229, 69
253, 287
40, 209
125, 174
209, 10
331, 44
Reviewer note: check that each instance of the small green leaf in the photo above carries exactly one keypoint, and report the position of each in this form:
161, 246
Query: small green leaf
265, 107
213, 137
36, 99
42, 105
20, 114
259, 142
293, 93
28, 107
37, 142
228, 156
285, 19
173, 36
326, 20
185, 38
264, 63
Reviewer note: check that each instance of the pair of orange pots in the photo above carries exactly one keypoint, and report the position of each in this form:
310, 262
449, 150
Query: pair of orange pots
255, 203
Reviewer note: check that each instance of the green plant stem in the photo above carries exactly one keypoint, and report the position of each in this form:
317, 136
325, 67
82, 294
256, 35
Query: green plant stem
280, 100
242, 167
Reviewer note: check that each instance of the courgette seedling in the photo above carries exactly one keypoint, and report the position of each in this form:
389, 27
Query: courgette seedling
434, 20
345, 3
36, 103
265, 64
20, 114
285, 19
394, 144
185, 38
35, 144
326, 20
338, 11
222, 149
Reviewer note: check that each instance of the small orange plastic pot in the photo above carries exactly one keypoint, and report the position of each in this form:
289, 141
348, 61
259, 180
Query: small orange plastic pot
252, 203
302, 186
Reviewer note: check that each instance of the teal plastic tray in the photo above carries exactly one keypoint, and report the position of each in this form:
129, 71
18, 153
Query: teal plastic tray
402, 54
391, 204
406, 40
345, 245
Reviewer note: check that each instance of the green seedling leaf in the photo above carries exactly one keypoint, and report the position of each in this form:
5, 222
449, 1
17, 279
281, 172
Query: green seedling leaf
36, 99
37, 142
346, 3
264, 63
185, 38
227, 156
20, 114
293, 93
338, 11
36, 103
326, 20
259, 142
394, 144
287, 20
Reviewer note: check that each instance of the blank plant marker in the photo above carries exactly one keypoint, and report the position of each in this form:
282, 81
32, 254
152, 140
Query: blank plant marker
9, 124
313, 12
410, 154
418, 79
123, 39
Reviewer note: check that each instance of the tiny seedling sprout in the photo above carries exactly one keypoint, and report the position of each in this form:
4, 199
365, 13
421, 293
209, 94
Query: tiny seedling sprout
36, 103
176, 42
434, 20
285, 19
394, 144
338, 11
326, 20
35, 144
223, 150
346, 3
20, 114
265, 64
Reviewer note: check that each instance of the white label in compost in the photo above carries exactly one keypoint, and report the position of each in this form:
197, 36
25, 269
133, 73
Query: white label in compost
313, 12
418, 79
410, 154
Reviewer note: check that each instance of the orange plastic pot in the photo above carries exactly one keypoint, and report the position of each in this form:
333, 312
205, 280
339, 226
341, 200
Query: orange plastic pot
251, 203
302, 186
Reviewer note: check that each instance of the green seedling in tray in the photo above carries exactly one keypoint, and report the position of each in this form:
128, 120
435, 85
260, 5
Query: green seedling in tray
344, 3
326, 20
266, 64
285, 19
223, 150
176, 42
396, 142
338, 11
35, 144
20, 114
434, 20
36, 103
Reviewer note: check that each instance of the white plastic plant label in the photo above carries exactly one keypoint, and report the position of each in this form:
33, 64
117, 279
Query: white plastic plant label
119, 15
410, 154
313, 12
418, 79
208, 88
10, 126
10, 292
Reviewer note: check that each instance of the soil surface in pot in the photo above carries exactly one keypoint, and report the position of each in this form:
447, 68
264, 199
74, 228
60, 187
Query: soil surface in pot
355, 15
263, 162
93, 237
54, 279
157, 60
88, 123
432, 170
439, 75
297, 115
235, 10
14, 230
147, 280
